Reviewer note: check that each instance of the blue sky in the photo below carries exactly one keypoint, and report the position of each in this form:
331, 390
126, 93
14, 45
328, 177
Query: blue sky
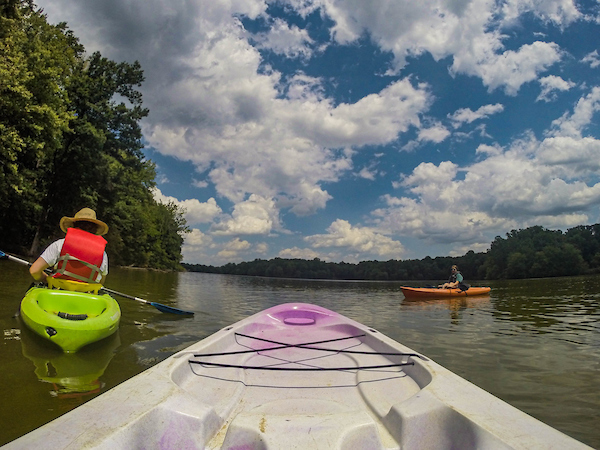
358, 130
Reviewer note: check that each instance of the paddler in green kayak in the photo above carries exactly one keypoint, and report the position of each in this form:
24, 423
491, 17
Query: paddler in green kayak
80, 256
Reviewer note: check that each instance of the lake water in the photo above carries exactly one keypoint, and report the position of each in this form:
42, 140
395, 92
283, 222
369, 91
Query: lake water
533, 343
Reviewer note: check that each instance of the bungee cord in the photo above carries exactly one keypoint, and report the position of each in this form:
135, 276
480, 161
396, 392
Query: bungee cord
306, 346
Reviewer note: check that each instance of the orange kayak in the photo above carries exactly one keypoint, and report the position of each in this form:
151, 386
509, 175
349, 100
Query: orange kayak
414, 292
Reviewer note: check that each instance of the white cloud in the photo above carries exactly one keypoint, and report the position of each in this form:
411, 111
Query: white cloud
436, 133
466, 115
592, 59
291, 151
375, 119
285, 40
363, 240
197, 246
196, 212
301, 87
559, 12
477, 247
257, 215
261, 248
452, 224
550, 85
272, 142
298, 253
529, 182
195, 238
577, 157
574, 124
470, 32
162, 178
199, 183
511, 69
233, 249
492, 150
367, 173
203, 248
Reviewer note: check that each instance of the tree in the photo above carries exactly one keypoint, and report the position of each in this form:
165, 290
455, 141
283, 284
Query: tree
34, 69
517, 265
533, 252
100, 161
70, 138
587, 239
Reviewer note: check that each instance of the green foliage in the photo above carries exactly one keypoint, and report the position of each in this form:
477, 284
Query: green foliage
532, 252
34, 65
145, 237
586, 238
70, 138
426, 269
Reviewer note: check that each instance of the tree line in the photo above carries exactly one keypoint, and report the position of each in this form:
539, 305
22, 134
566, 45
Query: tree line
70, 138
527, 253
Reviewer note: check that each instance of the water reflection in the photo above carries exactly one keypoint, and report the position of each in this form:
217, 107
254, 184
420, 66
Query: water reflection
69, 376
567, 309
455, 305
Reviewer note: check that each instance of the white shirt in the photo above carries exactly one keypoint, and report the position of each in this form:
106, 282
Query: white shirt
52, 253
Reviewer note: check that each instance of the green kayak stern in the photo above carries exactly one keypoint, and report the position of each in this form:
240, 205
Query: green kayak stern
70, 319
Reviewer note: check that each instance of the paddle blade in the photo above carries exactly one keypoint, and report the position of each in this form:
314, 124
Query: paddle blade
170, 309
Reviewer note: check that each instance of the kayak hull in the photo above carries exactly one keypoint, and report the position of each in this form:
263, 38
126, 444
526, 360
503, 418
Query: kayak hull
296, 376
70, 319
413, 292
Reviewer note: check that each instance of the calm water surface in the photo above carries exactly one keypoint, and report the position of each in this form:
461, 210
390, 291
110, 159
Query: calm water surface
533, 343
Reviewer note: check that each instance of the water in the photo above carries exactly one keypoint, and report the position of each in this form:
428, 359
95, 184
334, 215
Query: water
533, 343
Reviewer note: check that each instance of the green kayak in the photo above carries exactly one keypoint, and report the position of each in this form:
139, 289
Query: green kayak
70, 319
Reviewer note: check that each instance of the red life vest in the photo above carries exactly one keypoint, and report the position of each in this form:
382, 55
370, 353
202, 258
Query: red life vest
81, 256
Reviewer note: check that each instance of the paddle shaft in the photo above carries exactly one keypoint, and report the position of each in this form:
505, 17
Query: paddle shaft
159, 306
13, 258
120, 294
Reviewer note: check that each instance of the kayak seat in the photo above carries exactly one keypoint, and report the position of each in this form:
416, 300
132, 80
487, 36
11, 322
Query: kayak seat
70, 285
55, 302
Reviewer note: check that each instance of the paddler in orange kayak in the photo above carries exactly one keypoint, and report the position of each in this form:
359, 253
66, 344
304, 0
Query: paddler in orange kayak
455, 281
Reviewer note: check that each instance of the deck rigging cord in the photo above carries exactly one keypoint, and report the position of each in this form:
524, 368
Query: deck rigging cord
305, 346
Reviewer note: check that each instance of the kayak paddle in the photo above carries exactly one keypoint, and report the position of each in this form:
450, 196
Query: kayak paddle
13, 258
159, 306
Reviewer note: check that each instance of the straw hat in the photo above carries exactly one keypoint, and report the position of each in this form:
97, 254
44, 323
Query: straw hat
87, 215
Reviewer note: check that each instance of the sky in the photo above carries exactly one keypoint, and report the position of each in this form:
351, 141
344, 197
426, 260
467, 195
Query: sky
351, 130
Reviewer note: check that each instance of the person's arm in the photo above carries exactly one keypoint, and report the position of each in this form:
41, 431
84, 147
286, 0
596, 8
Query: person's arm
47, 259
37, 269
